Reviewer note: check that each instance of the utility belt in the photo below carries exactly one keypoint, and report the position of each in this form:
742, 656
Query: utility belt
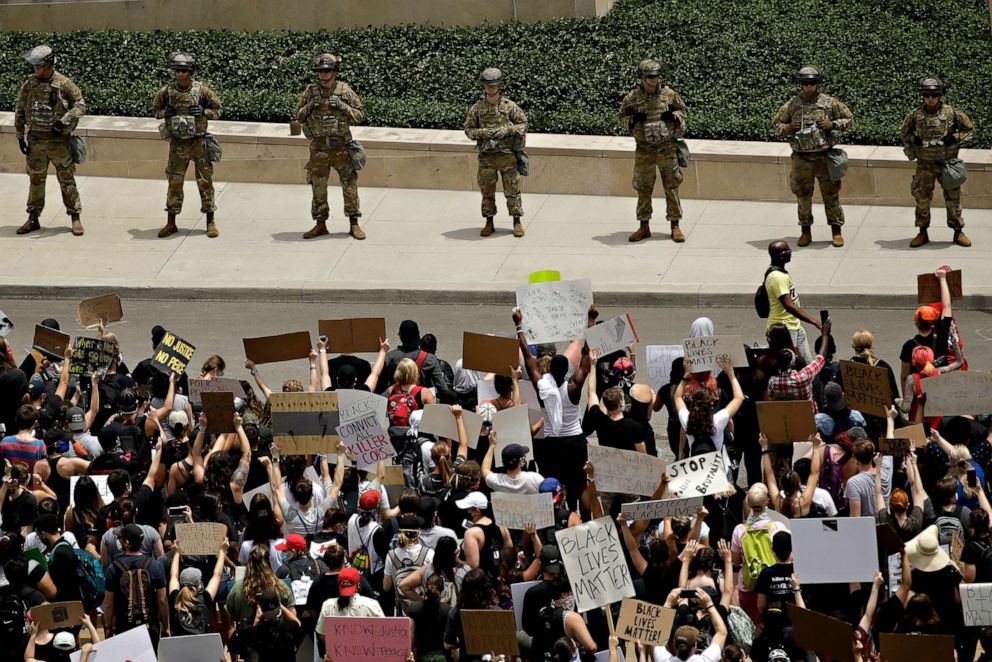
51, 136
329, 142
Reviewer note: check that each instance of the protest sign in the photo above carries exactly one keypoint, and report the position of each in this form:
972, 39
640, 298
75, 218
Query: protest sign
101, 486
200, 538
516, 510
913, 647
512, 426
366, 439
818, 543
367, 639
976, 604
354, 404
799, 450
895, 573
697, 476
648, 623
359, 334
555, 310
595, 563
958, 393
134, 645
91, 356
305, 423
702, 353
888, 539
283, 347
867, 387
215, 385
928, 287
779, 517
612, 335
517, 592
317, 549
108, 308
50, 342
219, 409
173, 354
915, 433
894, 447
192, 648
487, 353
489, 631
786, 421
661, 508
660, 359
248, 495
626, 472
439, 420
53, 615
486, 390
821, 634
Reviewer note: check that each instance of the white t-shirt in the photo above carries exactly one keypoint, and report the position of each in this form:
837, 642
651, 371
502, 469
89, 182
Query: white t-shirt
528, 482
720, 421
822, 498
710, 654
360, 607
406, 554
374, 485
275, 556
561, 417
306, 522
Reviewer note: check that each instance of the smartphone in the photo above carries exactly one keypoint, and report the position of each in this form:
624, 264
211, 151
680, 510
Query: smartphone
688, 593
322, 338
177, 513
824, 316
972, 478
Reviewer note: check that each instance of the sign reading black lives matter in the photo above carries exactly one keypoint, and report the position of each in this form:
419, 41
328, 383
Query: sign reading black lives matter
173, 354
595, 564
91, 355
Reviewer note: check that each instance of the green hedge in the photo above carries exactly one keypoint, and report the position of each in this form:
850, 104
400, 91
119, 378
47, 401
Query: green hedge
731, 61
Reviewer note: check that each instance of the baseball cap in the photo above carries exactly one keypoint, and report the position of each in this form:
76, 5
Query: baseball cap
294, 542
473, 500
410, 523
127, 401
269, 603
551, 559
36, 387
685, 638
857, 433
834, 397
178, 418
76, 419
369, 500
513, 452
133, 534
190, 577
553, 486
64, 641
348, 582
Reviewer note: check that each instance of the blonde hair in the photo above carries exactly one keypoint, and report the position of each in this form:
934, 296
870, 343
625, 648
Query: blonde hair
863, 341
213, 365
441, 456
258, 573
186, 599
292, 386
406, 373
407, 538
757, 496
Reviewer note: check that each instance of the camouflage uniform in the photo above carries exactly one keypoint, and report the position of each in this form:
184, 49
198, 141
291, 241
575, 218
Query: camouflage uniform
496, 155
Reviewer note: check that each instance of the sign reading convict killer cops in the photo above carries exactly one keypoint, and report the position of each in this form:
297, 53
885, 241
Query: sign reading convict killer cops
173, 354
367, 440
555, 310
305, 423
595, 564
697, 476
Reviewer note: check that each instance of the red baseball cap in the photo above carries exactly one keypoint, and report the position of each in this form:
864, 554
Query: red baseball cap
294, 542
348, 582
369, 500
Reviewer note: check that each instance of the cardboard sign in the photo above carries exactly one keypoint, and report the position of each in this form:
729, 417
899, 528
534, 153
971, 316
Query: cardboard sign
645, 622
101, 486
193, 648
702, 353
821, 634
612, 335
219, 408
360, 334
248, 495
888, 538
698, 476
556, 310
365, 639
135, 645
786, 421
439, 420
284, 347
976, 604
108, 307
173, 354
818, 543
928, 287
595, 563
486, 390
53, 615
512, 426
50, 342
517, 593
914, 433
514, 511
215, 385
354, 404
489, 631
913, 647
894, 447
200, 538
91, 356
867, 387
958, 393
626, 472
487, 353
660, 359
305, 423
661, 508
366, 439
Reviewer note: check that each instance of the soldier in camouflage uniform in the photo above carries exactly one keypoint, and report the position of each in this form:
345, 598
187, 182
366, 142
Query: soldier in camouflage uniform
498, 126
932, 134
655, 115
186, 105
813, 122
48, 109
327, 110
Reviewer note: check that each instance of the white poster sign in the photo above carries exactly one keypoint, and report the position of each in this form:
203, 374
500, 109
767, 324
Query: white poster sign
512, 426
195, 648
958, 393
662, 508
626, 472
317, 549
595, 563
660, 359
555, 310
439, 420
702, 353
101, 486
354, 404
367, 441
698, 476
517, 592
528, 396
818, 543
976, 603
612, 335
265, 489
134, 646
514, 511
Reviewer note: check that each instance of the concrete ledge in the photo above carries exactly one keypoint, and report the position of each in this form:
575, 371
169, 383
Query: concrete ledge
443, 159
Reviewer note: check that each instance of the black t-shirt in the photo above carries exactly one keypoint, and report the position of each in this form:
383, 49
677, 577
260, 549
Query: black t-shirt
62, 569
979, 554
19, 511
274, 641
942, 587
13, 385
537, 597
196, 621
429, 621
361, 366
775, 582
937, 341
767, 642
624, 433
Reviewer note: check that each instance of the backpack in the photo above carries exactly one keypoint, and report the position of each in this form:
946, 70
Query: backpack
762, 305
756, 545
361, 560
741, 627
405, 568
13, 618
449, 594
432, 486
89, 574
135, 595
832, 478
303, 567
948, 524
191, 622
400, 405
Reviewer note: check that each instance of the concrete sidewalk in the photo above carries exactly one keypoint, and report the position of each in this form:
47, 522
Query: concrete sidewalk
425, 245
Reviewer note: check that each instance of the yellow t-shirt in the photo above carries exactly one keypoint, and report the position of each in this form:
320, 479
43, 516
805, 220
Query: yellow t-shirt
776, 284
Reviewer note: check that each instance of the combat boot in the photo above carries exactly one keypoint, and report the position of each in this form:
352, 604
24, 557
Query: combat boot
170, 227
489, 228
77, 226
356, 231
960, 239
806, 237
319, 228
518, 230
838, 239
212, 231
920, 239
643, 232
677, 235
30, 225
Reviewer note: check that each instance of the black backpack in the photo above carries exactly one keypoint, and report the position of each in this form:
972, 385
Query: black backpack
191, 622
13, 620
134, 593
761, 303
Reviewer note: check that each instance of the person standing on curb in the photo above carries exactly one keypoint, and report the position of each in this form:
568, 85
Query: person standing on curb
186, 105
783, 301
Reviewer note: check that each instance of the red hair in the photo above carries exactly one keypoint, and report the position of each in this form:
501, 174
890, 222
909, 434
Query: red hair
921, 358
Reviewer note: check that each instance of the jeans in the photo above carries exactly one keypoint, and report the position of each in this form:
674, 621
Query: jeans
801, 343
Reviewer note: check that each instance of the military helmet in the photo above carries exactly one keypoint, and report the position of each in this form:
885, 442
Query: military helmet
39, 56
649, 68
809, 74
180, 60
491, 76
326, 62
931, 85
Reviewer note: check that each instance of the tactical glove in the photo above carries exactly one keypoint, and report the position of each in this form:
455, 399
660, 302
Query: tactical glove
669, 116
57, 126
638, 117
918, 141
170, 112
949, 140
501, 132
825, 124
627, 111
23, 144
334, 101
196, 110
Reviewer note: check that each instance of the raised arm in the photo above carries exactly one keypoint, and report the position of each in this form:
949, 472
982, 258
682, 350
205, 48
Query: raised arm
869, 614
687, 554
214, 584
163, 412
806, 498
737, 397
719, 627
487, 461
338, 480
197, 453
879, 499
63, 385
94, 401
529, 362
456, 411
174, 574
768, 472
595, 507
636, 558
149, 481
591, 385
723, 548
380, 361
945, 293
253, 369
582, 372
325, 375
314, 374
240, 475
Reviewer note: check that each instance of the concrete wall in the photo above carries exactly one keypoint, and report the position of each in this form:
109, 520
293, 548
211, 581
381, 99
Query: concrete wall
446, 160
304, 15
